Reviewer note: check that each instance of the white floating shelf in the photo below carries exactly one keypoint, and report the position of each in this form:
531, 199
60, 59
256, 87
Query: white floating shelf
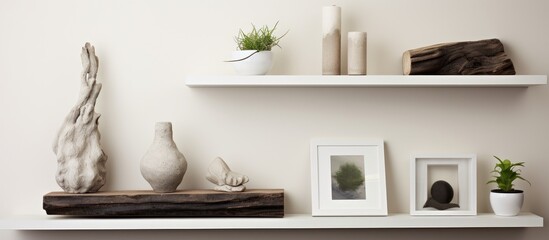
367, 81
290, 221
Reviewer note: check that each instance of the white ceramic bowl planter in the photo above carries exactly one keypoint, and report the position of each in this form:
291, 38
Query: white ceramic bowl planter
252, 62
506, 203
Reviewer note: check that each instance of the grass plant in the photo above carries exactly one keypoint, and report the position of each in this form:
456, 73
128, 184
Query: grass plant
505, 172
260, 39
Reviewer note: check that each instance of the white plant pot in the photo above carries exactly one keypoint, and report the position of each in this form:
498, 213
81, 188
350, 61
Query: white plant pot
506, 204
257, 64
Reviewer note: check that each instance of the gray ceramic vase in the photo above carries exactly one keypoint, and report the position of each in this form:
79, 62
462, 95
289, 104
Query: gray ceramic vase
163, 166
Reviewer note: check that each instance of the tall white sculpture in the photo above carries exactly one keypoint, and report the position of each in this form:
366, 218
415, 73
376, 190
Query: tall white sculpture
80, 158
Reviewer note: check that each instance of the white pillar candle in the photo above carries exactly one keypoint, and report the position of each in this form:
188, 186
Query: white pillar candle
356, 53
331, 40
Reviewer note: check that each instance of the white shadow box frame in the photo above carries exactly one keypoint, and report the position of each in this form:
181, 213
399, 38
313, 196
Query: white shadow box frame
466, 165
329, 196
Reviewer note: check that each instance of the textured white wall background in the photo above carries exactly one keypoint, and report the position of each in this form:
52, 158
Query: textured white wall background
146, 48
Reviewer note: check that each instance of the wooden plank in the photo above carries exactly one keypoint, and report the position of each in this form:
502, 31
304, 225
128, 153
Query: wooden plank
185, 203
485, 57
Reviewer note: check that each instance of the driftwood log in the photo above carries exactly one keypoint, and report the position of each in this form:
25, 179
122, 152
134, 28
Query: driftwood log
80, 158
186, 203
484, 57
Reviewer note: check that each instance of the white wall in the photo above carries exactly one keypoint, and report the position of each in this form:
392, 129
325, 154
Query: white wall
146, 49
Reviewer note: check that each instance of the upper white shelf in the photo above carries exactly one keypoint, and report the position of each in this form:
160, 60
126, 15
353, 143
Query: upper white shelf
290, 221
367, 81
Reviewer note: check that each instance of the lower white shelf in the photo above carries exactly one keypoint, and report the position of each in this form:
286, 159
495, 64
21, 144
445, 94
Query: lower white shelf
290, 221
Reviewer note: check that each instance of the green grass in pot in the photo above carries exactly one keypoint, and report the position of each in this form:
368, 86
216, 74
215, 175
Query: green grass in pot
261, 39
505, 172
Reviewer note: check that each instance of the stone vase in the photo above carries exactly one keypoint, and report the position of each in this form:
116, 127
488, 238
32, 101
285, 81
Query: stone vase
163, 166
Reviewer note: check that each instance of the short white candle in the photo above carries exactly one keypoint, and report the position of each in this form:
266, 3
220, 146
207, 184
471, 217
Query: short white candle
356, 53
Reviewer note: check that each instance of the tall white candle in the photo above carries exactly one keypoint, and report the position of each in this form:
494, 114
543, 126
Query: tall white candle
331, 40
356, 53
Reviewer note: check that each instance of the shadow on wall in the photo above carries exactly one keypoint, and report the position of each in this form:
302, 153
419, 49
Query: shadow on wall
393, 234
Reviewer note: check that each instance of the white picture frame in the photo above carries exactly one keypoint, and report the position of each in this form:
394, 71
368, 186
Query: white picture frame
466, 183
334, 163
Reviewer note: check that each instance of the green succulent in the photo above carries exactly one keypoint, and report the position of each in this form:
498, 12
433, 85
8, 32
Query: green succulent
349, 177
261, 39
505, 172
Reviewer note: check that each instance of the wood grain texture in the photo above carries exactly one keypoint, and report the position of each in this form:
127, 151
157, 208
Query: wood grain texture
484, 57
186, 203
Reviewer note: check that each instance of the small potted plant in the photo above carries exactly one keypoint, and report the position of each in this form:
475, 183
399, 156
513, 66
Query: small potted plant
505, 200
254, 56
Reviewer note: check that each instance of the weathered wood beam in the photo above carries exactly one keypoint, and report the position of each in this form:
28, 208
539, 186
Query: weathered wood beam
484, 57
186, 203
